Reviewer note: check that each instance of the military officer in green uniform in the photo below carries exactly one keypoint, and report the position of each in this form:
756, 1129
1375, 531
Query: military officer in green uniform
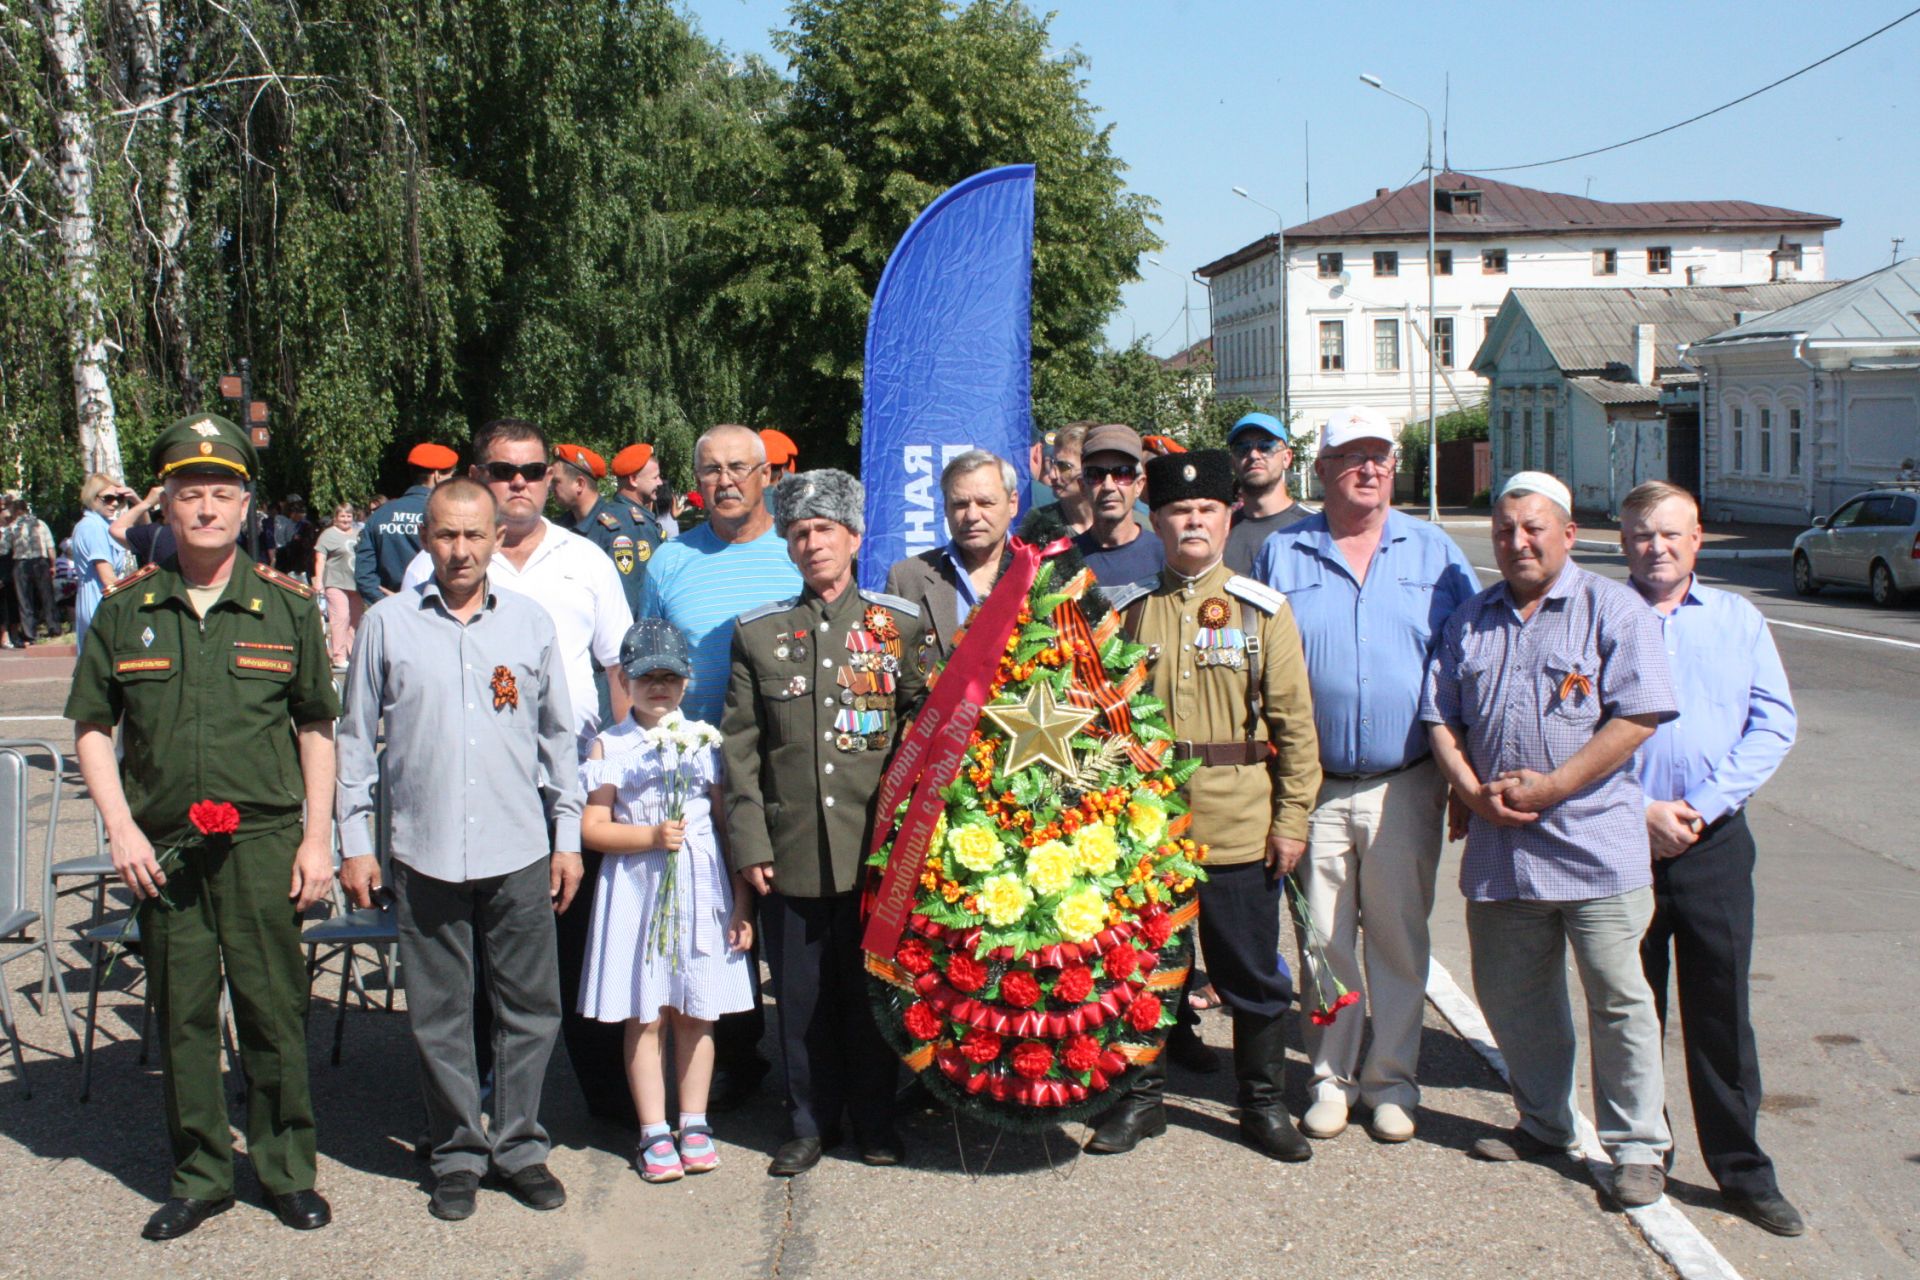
577, 473
818, 688
214, 669
1228, 665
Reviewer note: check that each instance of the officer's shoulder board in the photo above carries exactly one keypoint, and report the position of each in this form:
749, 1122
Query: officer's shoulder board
285, 583
766, 610
907, 607
1126, 593
610, 520
1258, 594
129, 580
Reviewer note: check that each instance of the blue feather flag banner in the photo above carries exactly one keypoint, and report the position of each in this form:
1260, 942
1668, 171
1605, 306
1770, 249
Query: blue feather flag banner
948, 361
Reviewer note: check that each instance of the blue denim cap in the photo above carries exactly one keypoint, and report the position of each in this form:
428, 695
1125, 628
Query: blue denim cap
1258, 421
654, 644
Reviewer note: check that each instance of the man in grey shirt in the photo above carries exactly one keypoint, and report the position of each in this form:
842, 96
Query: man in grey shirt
485, 794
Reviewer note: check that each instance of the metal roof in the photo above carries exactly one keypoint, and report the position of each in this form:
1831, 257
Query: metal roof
1585, 330
1508, 210
1607, 392
1881, 307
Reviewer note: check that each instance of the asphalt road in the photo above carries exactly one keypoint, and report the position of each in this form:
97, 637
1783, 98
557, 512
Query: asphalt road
1837, 953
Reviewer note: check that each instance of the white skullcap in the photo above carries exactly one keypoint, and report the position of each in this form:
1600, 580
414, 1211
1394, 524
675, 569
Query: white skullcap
1541, 483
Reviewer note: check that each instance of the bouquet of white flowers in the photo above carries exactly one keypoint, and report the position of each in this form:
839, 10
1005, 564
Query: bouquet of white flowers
677, 740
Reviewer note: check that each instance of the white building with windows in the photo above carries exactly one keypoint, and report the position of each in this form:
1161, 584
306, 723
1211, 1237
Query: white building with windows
1353, 323
1807, 405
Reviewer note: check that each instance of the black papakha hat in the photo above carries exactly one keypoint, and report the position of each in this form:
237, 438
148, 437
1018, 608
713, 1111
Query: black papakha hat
1175, 477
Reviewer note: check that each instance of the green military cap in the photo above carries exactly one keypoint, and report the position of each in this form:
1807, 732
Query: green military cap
204, 444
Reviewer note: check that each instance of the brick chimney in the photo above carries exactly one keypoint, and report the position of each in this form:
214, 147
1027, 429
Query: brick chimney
1381, 193
1645, 355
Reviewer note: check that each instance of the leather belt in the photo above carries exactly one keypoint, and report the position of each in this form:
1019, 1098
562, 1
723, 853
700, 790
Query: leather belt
1384, 773
1223, 753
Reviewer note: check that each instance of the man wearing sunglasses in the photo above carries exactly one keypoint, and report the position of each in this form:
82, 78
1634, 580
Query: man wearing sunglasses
1115, 547
1262, 457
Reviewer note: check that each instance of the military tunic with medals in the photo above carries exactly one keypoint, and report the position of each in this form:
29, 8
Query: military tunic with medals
814, 703
207, 703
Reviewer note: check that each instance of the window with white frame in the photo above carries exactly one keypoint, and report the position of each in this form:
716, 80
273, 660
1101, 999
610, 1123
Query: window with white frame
1386, 262
1333, 346
1606, 262
1493, 262
1443, 341
1386, 346
1331, 265
1766, 442
1659, 260
1793, 442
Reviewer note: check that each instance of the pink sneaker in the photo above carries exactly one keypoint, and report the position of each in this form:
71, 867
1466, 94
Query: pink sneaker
697, 1152
657, 1161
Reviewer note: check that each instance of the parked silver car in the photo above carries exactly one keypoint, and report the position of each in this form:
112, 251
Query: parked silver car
1872, 541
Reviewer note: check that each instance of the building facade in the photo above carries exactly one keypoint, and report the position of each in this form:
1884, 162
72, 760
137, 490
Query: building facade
1354, 321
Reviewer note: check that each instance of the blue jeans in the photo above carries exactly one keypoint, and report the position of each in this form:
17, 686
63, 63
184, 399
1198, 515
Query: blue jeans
1519, 976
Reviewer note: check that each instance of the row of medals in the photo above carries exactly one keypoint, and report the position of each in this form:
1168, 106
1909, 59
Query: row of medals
867, 683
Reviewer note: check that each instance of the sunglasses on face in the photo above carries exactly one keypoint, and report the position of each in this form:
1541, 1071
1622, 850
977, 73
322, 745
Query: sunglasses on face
1125, 473
1355, 461
1246, 448
504, 472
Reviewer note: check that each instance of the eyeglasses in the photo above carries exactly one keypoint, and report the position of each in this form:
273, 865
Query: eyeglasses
732, 470
111, 499
504, 472
1065, 470
1241, 448
1125, 473
1355, 461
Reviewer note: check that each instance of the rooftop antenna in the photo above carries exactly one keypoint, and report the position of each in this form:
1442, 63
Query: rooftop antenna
1446, 119
1306, 169
1897, 242
1589, 186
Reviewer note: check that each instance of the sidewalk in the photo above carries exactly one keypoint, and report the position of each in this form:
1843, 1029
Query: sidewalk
1724, 541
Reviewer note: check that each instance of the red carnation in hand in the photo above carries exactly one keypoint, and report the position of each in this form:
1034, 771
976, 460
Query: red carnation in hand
1074, 984
1156, 929
1082, 1053
980, 1046
1032, 1059
921, 1021
1144, 1013
214, 817
1120, 962
915, 956
1020, 988
966, 973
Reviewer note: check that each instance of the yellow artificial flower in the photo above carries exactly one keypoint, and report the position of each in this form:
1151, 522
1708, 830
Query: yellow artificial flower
1097, 848
1081, 915
1003, 899
975, 848
1050, 867
1146, 822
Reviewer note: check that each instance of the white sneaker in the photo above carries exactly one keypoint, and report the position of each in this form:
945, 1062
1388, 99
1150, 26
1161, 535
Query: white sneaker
1390, 1123
1326, 1118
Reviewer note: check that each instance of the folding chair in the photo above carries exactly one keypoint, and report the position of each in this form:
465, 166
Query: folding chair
16, 917
101, 940
346, 929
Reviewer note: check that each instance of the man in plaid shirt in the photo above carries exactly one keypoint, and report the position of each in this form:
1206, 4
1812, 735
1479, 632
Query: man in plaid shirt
1541, 688
31, 545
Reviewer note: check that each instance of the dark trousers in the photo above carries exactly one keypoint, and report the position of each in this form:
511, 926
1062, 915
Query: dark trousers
10, 612
736, 1036
33, 586
1703, 911
597, 1049
830, 1050
1240, 930
230, 914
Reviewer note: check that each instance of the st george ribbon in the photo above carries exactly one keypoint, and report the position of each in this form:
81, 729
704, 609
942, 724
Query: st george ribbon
949, 347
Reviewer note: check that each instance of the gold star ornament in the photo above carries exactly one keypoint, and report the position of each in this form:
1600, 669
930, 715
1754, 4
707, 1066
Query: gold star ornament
1040, 729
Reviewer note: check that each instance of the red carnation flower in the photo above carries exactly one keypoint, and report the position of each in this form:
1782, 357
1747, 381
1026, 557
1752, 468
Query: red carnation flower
1322, 1018
966, 973
1074, 984
214, 817
1346, 998
980, 1046
1020, 988
921, 1021
915, 956
1032, 1059
1144, 1013
1082, 1053
1120, 962
1156, 930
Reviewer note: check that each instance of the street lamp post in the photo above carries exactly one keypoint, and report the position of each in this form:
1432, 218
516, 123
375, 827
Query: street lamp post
1433, 431
1186, 303
1280, 260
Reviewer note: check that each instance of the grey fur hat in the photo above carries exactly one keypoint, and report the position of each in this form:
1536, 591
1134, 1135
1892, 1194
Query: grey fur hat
833, 495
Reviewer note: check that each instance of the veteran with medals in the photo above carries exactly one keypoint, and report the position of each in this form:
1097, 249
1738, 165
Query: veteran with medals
818, 686
215, 671
1227, 663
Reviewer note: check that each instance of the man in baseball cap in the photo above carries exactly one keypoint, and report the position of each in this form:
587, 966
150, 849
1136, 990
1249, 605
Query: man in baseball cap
1115, 547
1262, 454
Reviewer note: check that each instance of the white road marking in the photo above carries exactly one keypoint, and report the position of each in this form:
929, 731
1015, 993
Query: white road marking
31, 719
1668, 1230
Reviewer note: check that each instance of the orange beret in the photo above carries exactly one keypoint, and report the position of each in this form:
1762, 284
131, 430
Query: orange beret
1162, 445
432, 457
780, 446
583, 458
632, 459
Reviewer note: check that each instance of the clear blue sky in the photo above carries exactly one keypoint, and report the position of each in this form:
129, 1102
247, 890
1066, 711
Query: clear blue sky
1207, 95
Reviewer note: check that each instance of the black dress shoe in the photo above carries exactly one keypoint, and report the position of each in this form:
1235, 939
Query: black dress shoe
454, 1195
1270, 1131
1190, 1053
301, 1210
795, 1157
1130, 1124
1771, 1211
535, 1187
882, 1149
181, 1214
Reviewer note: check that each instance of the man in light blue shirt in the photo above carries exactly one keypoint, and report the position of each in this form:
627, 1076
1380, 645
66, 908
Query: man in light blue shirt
1370, 589
1736, 725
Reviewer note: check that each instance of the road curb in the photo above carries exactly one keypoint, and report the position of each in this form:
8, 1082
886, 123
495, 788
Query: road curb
1665, 1228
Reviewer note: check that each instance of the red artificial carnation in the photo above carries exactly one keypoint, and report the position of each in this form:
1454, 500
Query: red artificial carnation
1074, 984
1032, 1059
1120, 962
921, 1021
965, 973
1346, 998
1144, 1013
1082, 1053
1020, 988
915, 956
1156, 929
1322, 1018
213, 817
980, 1046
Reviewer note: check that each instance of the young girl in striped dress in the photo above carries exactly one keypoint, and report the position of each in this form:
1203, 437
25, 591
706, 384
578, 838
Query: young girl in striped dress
671, 928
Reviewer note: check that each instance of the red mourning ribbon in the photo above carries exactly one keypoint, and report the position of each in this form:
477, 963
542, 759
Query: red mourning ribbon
931, 754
